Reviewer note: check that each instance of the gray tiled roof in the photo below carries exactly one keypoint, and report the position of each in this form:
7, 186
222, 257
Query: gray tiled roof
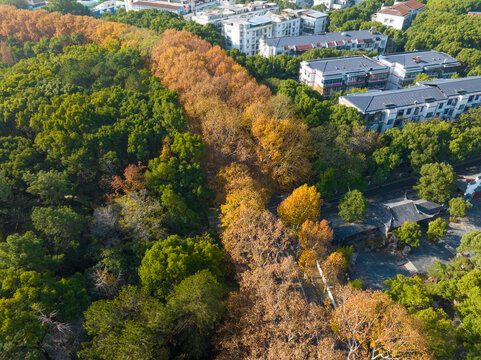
419, 58
323, 38
451, 87
436, 89
377, 100
345, 64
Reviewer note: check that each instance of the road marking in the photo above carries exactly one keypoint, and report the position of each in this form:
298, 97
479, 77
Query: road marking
410, 267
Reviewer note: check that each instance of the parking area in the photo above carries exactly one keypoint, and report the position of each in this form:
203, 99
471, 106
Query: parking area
373, 268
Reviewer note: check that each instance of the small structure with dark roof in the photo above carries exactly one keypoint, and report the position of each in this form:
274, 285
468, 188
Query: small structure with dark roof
384, 217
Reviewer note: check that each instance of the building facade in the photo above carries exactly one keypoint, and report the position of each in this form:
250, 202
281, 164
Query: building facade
343, 74
400, 15
361, 40
336, 4
404, 67
229, 10
107, 7
442, 98
245, 33
180, 7
312, 22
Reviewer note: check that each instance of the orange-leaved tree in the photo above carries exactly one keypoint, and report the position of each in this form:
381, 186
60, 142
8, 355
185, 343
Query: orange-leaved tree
374, 326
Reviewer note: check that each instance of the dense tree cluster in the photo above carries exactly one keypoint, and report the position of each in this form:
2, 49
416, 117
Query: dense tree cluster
160, 20
76, 227
450, 288
102, 176
284, 66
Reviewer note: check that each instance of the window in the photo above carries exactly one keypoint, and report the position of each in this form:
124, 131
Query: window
416, 111
408, 111
461, 107
450, 101
470, 99
429, 115
400, 113
440, 106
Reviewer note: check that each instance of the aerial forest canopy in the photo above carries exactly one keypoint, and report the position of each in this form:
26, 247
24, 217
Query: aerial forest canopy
115, 141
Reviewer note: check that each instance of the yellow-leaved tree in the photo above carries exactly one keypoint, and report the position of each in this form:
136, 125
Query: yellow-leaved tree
303, 204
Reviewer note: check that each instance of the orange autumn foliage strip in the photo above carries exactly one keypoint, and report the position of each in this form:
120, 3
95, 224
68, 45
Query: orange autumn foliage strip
26, 25
217, 93
218, 96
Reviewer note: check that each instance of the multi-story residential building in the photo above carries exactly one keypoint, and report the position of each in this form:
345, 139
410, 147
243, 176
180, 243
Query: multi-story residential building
229, 10
343, 74
180, 7
363, 40
284, 24
177, 6
107, 7
245, 34
312, 22
36, 4
336, 4
400, 15
442, 98
404, 67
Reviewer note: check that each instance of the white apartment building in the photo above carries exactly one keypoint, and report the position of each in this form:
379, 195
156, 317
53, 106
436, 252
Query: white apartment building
312, 22
400, 15
36, 4
245, 34
362, 40
284, 25
343, 74
336, 4
177, 6
229, 10
442, 98
109, 6
404, 67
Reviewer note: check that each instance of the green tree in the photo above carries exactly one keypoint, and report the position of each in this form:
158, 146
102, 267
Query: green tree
195, 308
441, 332
132, 325
68, 7
19, 4
458, 207
172, 260
410, 292
471, 242
61, 225
24, 295
188, 147
437, 182
353, 206
26, 252
437, 229
409, 234
51, 185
